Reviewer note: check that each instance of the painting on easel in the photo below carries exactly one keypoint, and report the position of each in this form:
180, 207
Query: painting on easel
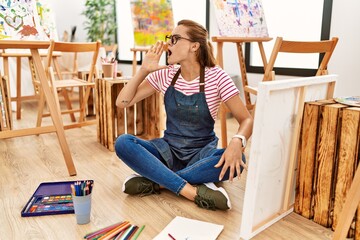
240, 18
152, 20
19, 20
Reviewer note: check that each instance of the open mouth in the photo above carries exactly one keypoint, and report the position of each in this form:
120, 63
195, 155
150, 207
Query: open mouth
169, 52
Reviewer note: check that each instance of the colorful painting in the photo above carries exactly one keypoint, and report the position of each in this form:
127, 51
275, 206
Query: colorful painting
19, 20
240, 18
152, 20
47, 19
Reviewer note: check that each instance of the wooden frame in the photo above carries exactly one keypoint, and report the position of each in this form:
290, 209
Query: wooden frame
270, 184
5, 107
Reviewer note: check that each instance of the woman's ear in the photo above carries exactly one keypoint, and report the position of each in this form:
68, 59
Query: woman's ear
195, 46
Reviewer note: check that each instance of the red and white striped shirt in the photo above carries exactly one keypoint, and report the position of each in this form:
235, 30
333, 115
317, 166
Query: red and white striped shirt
218, 85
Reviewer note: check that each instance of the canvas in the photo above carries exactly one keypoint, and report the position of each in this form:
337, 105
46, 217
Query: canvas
152, 20
270, 182
240, 18
20, 21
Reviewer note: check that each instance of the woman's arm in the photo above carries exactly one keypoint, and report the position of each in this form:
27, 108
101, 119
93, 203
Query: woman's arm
232, 157
137, 89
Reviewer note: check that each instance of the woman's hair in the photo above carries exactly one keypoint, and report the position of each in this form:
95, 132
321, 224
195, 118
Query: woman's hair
198, 33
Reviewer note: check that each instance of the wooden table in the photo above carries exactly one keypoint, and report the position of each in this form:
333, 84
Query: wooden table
219, 57
58, 126
144, 120
19, 55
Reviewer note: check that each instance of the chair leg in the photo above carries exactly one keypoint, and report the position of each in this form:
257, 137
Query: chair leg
68, 103
84, 103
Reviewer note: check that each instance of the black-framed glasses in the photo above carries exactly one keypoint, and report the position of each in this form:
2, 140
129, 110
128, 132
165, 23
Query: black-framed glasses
175, 38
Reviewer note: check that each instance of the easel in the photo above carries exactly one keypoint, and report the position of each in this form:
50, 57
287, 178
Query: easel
219, 57
19, 55
134, 62
50, 94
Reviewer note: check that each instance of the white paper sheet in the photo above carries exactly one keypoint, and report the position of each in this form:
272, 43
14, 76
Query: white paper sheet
181, 228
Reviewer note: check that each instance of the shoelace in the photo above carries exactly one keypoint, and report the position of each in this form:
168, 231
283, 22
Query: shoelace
205, 203
147, 189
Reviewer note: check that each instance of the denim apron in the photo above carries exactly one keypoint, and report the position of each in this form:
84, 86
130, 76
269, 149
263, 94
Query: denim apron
189, 134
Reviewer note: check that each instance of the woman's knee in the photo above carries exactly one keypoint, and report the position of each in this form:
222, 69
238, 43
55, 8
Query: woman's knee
122, 143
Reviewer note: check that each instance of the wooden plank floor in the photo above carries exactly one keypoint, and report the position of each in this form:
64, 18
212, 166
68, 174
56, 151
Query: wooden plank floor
26, 162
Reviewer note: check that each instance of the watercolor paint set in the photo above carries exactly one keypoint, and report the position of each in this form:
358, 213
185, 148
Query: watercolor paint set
51, 198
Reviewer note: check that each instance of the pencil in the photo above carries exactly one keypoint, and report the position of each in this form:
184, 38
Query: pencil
102, 230
115, 231
171, 236
126, 233
132, 232
29, 205
138, 232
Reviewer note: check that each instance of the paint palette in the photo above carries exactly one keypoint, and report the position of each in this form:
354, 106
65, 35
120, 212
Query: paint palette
351, 101
50, 198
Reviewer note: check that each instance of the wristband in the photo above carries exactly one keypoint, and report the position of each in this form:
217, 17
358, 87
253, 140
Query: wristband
243, 139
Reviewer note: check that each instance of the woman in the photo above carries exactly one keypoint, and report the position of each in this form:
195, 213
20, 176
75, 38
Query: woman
186, 160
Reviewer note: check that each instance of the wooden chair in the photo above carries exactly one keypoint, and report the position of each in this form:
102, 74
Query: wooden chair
62, 84
110, 49
325, 47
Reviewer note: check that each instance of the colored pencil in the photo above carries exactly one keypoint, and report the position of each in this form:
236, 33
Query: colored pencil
138, 232
102, 230
126, 233
115, 231
133, 231
171, 236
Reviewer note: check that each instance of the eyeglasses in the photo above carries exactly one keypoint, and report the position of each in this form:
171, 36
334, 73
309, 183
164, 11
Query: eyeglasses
175, 38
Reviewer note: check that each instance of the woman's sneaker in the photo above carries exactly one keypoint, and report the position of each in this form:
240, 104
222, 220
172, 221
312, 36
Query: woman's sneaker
136, 184
211, 197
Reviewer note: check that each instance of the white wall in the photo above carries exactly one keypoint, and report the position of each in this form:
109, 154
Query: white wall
68, 14
345, 24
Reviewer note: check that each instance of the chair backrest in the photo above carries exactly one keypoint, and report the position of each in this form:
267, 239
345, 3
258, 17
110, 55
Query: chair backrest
75, 47
325, 47
110, 49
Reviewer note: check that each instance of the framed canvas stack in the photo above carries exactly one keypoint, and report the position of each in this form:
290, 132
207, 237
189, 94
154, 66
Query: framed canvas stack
5, 107
327, 160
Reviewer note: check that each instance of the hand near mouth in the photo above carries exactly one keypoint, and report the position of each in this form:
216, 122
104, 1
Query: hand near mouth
152, 57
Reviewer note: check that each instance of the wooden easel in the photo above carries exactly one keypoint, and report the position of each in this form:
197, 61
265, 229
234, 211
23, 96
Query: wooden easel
50, 94
134, 62
219, 57
18, 56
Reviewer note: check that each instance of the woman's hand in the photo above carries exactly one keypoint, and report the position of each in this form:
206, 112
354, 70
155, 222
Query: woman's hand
232, 159
152, 57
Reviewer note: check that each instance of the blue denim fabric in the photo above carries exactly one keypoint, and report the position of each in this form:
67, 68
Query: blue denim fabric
187, 152
143, 157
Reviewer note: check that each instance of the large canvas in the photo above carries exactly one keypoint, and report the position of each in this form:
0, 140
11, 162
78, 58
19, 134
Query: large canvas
270, 182
152, 20
20, 21
47, 19
240, 18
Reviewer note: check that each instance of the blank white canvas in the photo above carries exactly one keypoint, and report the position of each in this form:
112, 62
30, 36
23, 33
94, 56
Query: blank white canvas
275, 114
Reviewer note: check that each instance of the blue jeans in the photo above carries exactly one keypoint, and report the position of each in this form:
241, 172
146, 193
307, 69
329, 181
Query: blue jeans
142, 156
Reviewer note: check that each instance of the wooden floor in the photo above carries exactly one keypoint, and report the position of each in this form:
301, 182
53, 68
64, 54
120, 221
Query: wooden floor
26, 162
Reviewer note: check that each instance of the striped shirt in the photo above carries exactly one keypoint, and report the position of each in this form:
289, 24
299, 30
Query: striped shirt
218, 85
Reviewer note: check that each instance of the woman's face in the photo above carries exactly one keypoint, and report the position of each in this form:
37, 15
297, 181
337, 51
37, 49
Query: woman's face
179, 45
